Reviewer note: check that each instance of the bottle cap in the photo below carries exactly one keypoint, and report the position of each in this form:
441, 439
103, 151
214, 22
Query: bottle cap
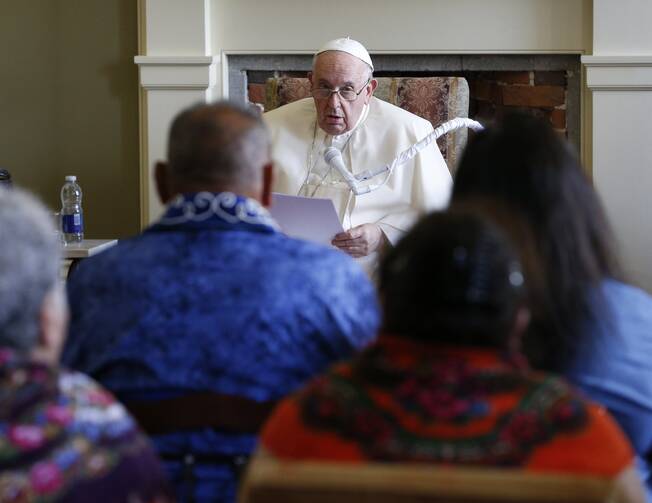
71, 178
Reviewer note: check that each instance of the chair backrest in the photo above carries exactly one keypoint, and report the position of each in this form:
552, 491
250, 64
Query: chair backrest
436, 99
272, 481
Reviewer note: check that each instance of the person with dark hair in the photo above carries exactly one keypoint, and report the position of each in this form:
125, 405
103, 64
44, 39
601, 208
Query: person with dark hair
589, 324
445, 382
211, 315
64, 439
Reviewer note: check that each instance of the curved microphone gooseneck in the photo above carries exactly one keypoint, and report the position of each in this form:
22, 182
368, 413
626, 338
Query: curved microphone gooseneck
333, 157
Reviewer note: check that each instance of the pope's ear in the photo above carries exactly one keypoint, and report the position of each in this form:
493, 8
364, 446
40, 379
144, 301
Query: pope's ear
374, 84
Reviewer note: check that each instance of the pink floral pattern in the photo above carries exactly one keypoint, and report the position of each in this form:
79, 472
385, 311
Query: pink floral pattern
60, 432
436, 405
26, 437
46, 478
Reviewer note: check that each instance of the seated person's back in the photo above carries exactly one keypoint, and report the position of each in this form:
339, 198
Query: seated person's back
63, 437
445, 383
213, 298
589, 324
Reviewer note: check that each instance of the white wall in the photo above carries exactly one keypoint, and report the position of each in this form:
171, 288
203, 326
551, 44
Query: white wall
619, 73
68, 103
410, 26
176, 27
622, 27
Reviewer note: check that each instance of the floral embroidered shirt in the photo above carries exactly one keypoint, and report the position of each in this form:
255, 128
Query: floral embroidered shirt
214, 298
64, 438
402, 400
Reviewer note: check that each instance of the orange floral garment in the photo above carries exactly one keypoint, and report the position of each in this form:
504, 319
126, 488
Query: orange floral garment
402, 400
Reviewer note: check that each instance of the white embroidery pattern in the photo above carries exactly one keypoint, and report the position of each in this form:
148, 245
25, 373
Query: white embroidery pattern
226, 205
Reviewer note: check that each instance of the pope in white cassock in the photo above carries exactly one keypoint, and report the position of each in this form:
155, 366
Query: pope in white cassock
343, 113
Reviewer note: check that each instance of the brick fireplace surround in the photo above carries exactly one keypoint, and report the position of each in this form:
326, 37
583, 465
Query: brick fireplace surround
545, 85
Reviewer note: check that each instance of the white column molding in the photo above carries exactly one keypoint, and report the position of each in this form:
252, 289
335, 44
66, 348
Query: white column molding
174, 72
613, 73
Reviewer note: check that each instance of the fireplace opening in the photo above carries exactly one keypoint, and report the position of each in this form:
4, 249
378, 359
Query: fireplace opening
544, 85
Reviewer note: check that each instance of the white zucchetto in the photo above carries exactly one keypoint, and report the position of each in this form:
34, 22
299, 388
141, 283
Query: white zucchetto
350, 46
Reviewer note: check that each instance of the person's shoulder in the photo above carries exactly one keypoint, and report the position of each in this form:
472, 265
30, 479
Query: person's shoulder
582, 437
609, 439
619, 290
623, 308
286, 433
90, 398
94, 418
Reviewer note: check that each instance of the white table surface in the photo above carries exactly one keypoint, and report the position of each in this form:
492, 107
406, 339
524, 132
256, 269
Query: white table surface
87, 248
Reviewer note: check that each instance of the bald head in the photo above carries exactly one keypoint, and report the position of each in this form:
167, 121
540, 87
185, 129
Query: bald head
216, 147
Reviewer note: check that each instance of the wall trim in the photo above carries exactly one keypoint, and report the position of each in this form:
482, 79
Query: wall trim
256, 52
142, 123
618, 73
177, 72
617, 60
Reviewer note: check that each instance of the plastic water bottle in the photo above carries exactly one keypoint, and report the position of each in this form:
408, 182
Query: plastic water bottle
72, 217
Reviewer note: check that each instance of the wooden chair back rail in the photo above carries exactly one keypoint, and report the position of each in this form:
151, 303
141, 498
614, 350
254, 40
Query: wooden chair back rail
270, 481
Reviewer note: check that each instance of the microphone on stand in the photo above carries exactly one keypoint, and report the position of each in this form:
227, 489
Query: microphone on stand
333, 158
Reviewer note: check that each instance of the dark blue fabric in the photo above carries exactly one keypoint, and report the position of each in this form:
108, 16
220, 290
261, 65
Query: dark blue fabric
208, 300
614, 366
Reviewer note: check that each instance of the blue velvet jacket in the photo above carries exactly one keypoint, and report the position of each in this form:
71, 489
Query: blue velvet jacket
214, 297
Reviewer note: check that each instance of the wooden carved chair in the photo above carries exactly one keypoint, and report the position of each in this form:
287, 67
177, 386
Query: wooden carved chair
272, 481
436, 99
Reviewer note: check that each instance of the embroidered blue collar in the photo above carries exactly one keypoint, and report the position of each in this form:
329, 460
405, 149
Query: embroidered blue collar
221, 207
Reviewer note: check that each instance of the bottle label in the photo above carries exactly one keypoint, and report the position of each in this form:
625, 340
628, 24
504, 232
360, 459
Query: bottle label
72, 224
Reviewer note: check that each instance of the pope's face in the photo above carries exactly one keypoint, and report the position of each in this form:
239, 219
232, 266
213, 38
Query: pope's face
339, 70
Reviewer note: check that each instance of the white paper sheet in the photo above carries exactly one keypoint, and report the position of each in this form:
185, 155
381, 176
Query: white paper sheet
309, 218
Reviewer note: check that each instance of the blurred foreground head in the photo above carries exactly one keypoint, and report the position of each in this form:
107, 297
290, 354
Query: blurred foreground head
527, 166
33, 313
216, 147
454, 279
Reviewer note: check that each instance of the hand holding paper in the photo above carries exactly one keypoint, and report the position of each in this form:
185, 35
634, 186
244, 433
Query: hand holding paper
360, 241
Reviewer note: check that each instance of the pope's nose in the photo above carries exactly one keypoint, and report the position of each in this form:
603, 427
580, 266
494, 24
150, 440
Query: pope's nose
334, 100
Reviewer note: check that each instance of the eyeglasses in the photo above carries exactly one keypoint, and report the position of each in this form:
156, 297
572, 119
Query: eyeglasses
347, 94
